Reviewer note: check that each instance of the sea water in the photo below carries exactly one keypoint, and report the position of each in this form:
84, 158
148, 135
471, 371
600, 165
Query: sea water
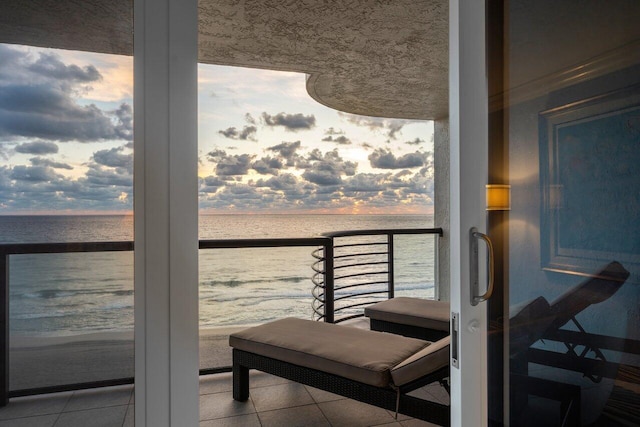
77, 293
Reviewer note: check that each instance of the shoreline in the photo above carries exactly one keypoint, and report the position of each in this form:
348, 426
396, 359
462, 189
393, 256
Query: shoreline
22, 342
36, 362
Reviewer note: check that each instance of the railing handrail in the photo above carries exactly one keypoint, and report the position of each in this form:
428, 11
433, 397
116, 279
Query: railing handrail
127, 245
384, 232
58, 248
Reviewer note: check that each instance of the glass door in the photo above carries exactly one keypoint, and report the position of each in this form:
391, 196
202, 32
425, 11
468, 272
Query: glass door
562, 210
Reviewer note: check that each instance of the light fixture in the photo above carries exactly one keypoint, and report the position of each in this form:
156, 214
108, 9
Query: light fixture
498, 197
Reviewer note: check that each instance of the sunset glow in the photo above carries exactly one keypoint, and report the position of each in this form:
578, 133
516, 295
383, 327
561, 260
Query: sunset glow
66, 142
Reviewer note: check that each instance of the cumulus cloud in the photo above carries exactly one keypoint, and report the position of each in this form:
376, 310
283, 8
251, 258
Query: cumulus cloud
247, 133
288, 151
34, 173
328, 169
230, 165
39, 161
390, 127
37, 147
332, 132
416, 141
341, 140
250, 119
268, 165
385, 159
38, 98
114, 158
49, 65
290, 122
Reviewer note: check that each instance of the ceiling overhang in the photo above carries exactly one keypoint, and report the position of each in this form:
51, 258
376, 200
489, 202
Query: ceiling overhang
375, 58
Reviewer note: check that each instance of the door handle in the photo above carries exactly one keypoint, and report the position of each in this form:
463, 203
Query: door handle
474, 236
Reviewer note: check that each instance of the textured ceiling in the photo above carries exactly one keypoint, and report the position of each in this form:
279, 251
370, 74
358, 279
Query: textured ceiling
385, 58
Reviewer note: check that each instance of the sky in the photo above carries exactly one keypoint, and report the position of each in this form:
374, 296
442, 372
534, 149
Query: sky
264, 145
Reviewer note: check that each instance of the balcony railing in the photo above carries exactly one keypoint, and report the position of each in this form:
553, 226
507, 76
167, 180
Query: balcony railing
335, 260
357, 270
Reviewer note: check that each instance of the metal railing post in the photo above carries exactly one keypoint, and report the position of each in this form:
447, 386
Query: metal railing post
4, 328
436, 268
328, 282
391, 273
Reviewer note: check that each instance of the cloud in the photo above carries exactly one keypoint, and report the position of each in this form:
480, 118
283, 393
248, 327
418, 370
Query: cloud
49, 65
416, 141
114, 158
233, 165
37, 147
247, 133
39, 161
390, 127
250, 119
288, 151
124, 128
328, 169
331, 131
34, 174
341, 140
39, 99
268, 165
290, 122
385, 159
105, 176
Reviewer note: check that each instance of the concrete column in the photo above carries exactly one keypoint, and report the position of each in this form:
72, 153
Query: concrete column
441, 214
166, 212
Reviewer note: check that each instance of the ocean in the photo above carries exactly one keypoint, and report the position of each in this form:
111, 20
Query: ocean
79, 293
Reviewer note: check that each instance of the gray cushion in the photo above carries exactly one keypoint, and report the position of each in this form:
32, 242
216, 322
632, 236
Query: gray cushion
429, 359
357, 354
423, 313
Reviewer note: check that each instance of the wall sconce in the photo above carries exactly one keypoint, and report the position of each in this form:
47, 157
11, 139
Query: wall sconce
498, 197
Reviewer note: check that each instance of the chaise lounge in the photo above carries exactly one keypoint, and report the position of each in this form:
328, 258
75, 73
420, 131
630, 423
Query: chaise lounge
369, 366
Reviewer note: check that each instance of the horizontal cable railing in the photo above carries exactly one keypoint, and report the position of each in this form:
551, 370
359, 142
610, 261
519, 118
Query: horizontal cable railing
356, 271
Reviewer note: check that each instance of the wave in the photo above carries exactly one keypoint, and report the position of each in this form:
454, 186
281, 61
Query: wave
68, 293
33, 316
235, 282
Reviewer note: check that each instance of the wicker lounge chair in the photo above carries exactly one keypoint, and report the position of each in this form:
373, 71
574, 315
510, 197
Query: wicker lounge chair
372, 367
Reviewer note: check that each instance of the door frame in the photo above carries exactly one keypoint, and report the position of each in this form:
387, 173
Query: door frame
468, 110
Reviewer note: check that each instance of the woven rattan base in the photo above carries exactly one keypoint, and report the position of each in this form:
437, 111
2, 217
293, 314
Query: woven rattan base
382, 397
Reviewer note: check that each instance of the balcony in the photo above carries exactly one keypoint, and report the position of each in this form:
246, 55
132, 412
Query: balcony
57, 379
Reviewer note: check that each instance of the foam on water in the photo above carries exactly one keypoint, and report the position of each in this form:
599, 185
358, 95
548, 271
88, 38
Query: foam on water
62, 294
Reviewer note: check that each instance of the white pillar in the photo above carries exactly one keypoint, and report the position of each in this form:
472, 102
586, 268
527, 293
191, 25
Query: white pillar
166, 212
468, 115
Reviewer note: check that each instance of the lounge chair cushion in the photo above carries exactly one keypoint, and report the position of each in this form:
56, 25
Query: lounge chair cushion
429, 359
357, 354
423, 313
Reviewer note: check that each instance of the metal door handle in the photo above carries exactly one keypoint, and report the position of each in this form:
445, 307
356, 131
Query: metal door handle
474, 236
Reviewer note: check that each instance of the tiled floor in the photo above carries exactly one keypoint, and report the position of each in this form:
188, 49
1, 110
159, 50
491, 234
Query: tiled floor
273, 402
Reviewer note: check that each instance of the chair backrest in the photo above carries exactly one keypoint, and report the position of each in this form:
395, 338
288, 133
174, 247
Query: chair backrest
597, 288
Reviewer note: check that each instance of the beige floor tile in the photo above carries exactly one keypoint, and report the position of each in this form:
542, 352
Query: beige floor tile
350, 413
300, 416
222, 405
249, 420
30, 406
100, 417
39, 421
280, 396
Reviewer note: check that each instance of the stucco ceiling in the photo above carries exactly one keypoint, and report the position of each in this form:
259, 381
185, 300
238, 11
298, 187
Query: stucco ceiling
385, 58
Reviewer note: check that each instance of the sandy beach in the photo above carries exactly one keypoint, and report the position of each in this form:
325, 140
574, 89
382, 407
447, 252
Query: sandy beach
47, 361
